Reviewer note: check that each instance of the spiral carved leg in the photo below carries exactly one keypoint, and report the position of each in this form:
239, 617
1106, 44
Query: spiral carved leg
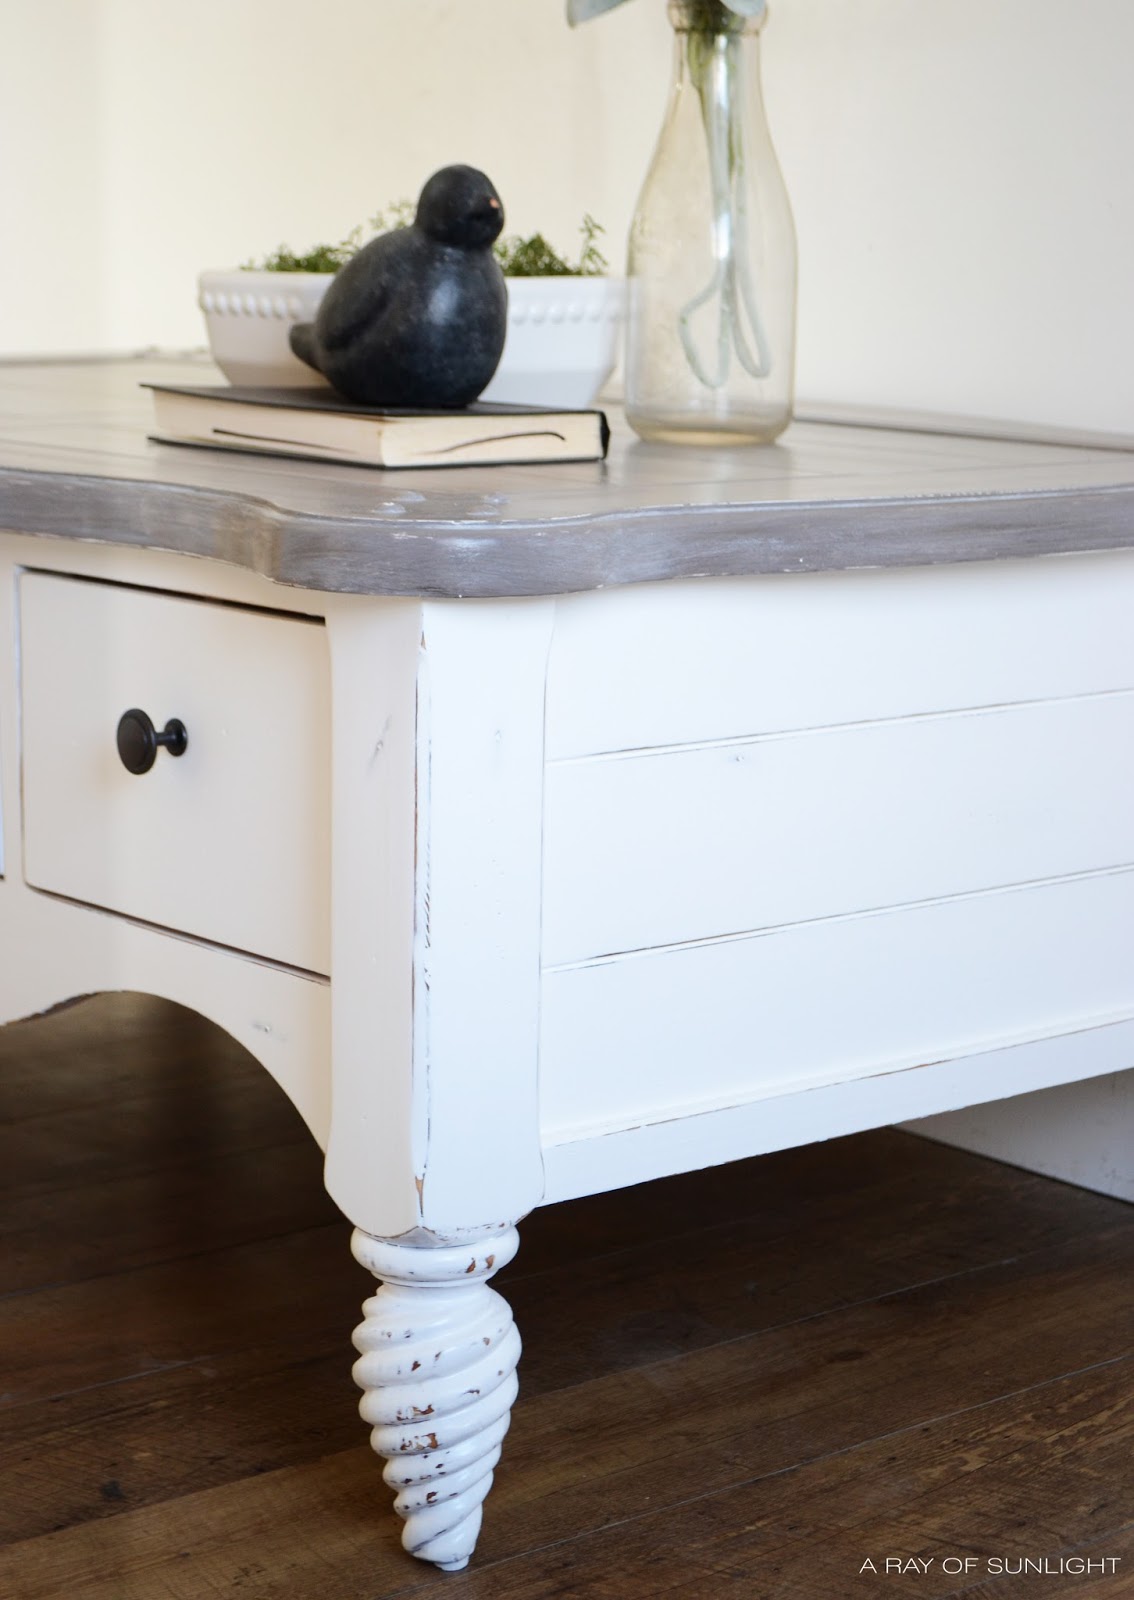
438, 1353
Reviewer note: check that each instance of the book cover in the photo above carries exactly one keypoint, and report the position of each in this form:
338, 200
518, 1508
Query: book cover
317, 424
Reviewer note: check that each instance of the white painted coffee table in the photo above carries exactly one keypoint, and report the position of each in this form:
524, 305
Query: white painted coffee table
546, 830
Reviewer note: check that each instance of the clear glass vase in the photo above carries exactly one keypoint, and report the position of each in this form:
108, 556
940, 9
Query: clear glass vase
712, 264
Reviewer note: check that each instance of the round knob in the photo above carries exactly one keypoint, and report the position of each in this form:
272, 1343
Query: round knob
139, 741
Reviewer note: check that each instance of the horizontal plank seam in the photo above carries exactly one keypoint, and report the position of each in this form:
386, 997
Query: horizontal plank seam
732, 741
741, 935
571, 1136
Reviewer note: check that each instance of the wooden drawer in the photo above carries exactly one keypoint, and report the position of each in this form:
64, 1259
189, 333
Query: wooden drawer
230, 841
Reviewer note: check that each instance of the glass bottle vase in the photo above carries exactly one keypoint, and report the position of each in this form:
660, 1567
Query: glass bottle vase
712, 263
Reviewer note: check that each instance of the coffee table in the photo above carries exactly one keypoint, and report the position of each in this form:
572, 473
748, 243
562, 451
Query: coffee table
549, 829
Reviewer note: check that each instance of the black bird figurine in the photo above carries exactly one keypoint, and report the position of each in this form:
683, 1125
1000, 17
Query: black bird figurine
417, 318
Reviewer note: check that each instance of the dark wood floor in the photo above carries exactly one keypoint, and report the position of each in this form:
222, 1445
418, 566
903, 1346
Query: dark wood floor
749, 1381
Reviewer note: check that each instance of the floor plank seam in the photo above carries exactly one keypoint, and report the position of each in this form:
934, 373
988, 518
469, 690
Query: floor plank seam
189, 1162
834, 1309
674, 1506
658, 1241
964, 1411
126, 1272
989, 1412
1090, 1230
105, 1383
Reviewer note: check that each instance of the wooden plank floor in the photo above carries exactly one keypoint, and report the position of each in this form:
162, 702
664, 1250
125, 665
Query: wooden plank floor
750, 1381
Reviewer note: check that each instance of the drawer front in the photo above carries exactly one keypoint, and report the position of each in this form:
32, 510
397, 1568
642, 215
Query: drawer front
228, 842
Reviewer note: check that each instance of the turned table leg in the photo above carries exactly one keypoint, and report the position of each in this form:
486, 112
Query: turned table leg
438, 1366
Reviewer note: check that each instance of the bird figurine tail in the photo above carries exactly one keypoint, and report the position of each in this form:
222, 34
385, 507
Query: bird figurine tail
301, 338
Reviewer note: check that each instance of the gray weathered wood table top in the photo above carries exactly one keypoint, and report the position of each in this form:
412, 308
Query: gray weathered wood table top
75, 462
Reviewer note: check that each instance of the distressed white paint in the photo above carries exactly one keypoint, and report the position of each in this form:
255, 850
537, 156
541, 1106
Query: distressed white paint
826, 830
1082, 1133
438, 1353
52, 949
983, 712
434, 715
681, 1143
371, 1159
437, 836
674, 1032
229, 840
670, 846
671, 663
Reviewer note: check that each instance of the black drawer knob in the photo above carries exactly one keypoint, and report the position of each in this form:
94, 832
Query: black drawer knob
139, 741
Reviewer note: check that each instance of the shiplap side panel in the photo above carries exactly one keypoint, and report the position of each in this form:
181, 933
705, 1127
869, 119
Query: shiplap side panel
718, 659
653, 1149
670, 1033
654, 849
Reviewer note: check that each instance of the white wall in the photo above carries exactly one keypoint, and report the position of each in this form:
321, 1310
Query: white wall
960, 171
964, 174
53, 223
1082, 1133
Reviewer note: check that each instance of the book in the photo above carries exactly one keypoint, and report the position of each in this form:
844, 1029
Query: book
317, 424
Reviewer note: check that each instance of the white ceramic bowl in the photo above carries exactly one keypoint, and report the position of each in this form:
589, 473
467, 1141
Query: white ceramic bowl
561, 347
247, 317
562, 343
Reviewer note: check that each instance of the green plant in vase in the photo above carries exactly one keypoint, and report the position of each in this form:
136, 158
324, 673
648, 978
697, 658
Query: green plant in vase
711, 335
519, 257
